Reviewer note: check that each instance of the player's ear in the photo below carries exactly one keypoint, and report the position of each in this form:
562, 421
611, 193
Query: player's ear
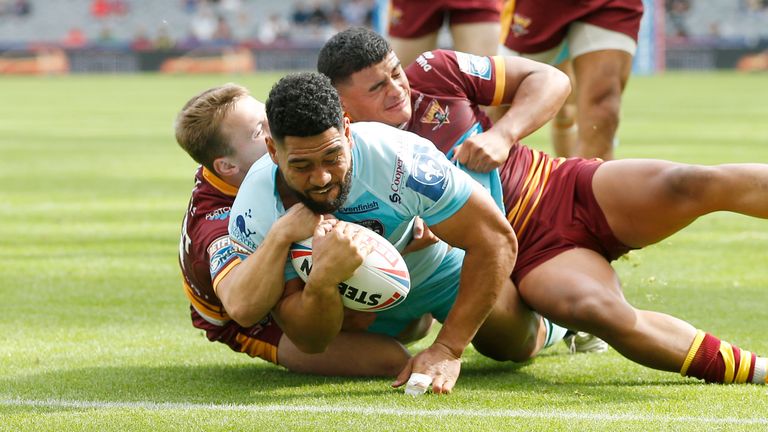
223, 168
347, 132
272, 149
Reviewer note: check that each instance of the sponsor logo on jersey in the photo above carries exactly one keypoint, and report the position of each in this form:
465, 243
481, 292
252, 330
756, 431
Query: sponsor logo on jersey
397, 180
373, 225
423, 61
436, 115
241, 233
360, 208
218, 214
220, 252
427, 176
474, 65
520, 25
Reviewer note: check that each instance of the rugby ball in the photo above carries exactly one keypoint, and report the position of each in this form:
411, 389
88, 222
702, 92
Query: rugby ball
380, 283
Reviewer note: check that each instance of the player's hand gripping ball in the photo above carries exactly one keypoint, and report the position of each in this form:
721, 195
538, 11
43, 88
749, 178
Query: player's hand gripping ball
381, 282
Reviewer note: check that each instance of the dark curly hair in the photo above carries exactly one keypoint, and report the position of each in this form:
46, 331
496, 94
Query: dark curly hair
351, 51
303, 104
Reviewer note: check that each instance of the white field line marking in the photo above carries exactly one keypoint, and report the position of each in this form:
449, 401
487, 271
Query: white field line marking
518, 413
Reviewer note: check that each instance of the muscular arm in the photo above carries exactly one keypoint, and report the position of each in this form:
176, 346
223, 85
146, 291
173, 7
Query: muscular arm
252, 288
311, 315
490, 251
534, 92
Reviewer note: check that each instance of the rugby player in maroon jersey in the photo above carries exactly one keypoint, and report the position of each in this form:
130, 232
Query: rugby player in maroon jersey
572, 216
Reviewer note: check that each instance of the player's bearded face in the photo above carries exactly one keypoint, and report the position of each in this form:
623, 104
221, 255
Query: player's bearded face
317, 170
336, 193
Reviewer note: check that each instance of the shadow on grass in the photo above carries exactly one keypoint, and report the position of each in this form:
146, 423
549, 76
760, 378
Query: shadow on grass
264, 384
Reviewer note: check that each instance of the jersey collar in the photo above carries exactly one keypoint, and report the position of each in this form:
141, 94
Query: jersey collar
218, 183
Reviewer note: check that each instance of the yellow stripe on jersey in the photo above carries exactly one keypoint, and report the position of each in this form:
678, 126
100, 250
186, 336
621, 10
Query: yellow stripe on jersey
257, 348
512, 213
692, 351
507, 13
500, 68
214, 312
218, 183
726, 350
223, 273
546, 170
745, 362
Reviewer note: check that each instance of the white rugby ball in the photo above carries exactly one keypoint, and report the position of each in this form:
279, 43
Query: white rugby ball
380, 283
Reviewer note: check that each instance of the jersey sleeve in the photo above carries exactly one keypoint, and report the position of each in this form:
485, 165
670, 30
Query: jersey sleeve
255, 210
477, 78
418, 179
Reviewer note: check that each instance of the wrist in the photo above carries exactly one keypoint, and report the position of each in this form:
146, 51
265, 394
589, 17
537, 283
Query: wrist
455, 350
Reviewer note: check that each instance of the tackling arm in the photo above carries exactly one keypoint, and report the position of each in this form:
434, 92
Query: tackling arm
534, 92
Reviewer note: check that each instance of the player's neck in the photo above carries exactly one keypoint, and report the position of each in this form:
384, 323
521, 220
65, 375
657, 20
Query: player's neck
287, 196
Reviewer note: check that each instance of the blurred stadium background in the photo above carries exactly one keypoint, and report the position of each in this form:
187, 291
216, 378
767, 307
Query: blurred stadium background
177, 36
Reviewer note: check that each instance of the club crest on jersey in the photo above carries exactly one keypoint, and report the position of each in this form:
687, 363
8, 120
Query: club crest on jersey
474, 65
520, 25
436, 115
427, 176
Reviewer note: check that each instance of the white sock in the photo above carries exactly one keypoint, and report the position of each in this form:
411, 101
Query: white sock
555, 333
760, 370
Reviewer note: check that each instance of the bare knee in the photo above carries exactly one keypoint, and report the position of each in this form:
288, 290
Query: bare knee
601, 315
601, 106
691, 183
565, 117
500, 351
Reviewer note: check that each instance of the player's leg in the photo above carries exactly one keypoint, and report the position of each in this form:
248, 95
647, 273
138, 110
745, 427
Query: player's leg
579, 289
481, 38
602, 62
564, 130
600, 77
645, 201
408, 49
475, 28
512, 330
413, 28
350, 354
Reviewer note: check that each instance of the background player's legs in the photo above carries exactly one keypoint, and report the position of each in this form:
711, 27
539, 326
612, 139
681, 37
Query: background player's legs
350, 354
564, 130
408, 49
645, 201
476, 38
600, 77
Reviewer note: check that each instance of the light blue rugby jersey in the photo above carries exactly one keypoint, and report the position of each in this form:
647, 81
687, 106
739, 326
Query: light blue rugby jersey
396, 176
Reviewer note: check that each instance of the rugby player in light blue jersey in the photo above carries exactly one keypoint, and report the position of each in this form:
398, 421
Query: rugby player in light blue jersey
383, 178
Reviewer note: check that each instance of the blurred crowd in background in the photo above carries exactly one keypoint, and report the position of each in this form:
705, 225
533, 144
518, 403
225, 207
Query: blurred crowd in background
185, 24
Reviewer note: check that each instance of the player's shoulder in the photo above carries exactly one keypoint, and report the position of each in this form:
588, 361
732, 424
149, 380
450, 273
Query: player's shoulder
255, 208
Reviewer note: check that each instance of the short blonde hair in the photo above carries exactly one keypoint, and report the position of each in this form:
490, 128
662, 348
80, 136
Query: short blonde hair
198, 125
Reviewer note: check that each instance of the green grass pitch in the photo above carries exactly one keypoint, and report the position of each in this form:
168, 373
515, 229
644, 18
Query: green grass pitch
94, 327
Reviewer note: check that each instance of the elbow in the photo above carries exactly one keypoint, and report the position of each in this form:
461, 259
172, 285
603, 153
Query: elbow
563, 83
244, 316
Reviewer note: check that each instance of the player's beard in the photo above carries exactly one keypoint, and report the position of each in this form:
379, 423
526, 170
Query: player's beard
331, 206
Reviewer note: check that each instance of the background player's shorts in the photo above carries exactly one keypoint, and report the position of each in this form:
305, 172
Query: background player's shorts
259, 340
410, 19
568, 218
436, 296
585, 26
